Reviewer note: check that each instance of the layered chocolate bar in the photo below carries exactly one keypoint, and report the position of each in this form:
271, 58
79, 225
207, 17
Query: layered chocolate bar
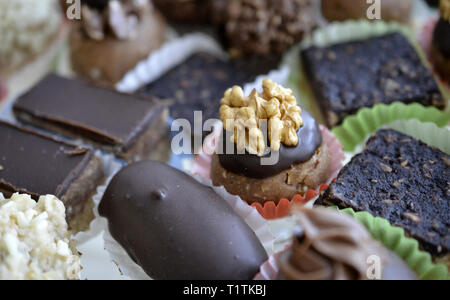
38, 165
128, 125
402, 180
348, 76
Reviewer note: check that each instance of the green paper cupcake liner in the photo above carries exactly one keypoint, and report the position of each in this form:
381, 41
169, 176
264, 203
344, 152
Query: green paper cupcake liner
394, 238
334, 33
355, 129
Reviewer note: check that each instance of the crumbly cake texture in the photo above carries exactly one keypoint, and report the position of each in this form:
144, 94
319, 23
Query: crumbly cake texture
348, 76
34, 240
402, 180
26, 26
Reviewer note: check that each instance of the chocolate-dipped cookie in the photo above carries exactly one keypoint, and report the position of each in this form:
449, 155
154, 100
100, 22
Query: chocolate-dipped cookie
391, 10
112, 37
263, 27
176, 228
329, 245
440, 47
242, 163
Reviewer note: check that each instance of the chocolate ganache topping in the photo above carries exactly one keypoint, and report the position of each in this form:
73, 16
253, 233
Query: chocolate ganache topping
333, 246
441, 36
293, 134
119, 19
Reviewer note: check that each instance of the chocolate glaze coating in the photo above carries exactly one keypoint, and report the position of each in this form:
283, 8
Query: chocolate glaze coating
177, 228
309, 136
441, 37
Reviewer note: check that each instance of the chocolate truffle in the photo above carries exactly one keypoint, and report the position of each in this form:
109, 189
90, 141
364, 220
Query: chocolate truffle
113, 37
391, 10
184, 11
263, 27
176, 228
294, 136
329, 245
440, 47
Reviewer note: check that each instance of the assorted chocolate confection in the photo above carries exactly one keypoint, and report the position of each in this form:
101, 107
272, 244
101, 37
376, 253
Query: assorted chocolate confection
374, 77
184, 11
403, 180
129, 126
329, 245
123, 32
440, 47
36, 164
302, 160
177, 228
198, 83
263, 27
391, 10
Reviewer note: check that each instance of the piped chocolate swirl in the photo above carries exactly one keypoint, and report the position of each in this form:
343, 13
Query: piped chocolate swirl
249, 165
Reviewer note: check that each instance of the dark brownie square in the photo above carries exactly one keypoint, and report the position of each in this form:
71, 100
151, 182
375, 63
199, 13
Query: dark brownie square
403, 180
199, 83
348, 76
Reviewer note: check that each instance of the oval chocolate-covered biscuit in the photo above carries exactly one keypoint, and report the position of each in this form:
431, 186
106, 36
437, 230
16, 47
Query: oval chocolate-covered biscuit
176, 228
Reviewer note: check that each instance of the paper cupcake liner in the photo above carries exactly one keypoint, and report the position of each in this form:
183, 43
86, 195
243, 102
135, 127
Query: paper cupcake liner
270, 210
425, 38
258, 224
3, 93
356, 128
393, 238
175, 52
337, 32
110, 166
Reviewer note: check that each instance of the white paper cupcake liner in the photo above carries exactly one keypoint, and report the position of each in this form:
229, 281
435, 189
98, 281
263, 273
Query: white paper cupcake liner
175, 52
260, 226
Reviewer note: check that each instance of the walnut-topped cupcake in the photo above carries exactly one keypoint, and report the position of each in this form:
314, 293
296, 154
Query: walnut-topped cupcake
112, 37
270, 149
440, 47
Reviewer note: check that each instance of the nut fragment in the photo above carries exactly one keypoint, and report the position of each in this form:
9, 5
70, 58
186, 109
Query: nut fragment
413, 217
385, 168
244, 115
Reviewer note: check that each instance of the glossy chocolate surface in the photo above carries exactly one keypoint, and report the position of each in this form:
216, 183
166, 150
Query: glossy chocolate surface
102, 115
38, 165
177, 228
310, 138
441, 37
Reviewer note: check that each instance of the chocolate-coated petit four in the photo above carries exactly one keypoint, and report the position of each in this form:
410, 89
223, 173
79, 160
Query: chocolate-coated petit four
440, 46
112, 37
303, 160
391, 10
348, 76
128, 125
34, 164
176, 228
403, 180
329, 245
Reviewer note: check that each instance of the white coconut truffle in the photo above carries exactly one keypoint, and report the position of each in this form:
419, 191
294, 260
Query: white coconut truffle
35, 241
26, 27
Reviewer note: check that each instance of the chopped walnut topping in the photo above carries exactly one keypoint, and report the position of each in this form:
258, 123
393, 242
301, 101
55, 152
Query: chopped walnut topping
385, 168
244, 115
413, 217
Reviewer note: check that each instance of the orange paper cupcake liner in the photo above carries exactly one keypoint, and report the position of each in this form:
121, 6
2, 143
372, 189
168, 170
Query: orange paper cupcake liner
270, 210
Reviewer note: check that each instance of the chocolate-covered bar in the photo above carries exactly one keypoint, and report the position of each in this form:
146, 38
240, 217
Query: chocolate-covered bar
176, 228
198, 84
403, 180
38, 165
348, 76
128, 125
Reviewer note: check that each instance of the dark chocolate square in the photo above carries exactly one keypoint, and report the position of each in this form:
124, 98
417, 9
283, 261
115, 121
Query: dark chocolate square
403, 180
348, 76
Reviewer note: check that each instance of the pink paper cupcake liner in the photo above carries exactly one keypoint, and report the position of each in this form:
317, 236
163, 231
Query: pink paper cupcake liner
270, 210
